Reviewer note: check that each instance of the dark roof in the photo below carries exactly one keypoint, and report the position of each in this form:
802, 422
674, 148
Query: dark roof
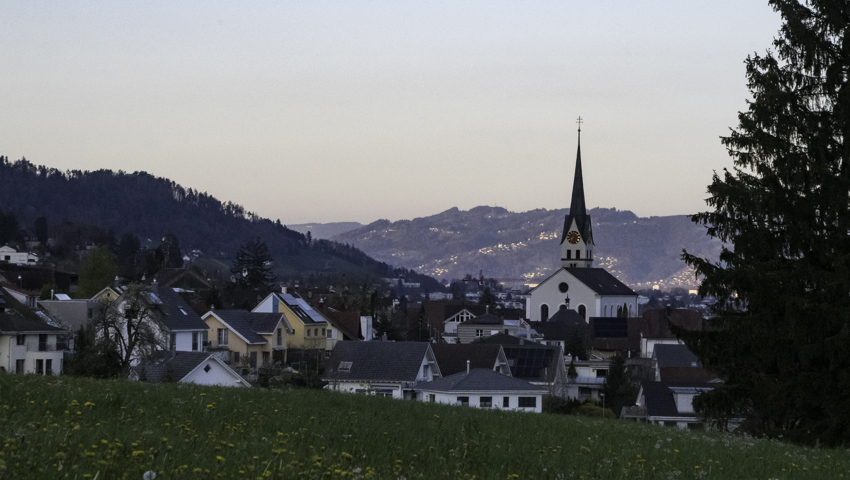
578, 208
176, 313
452, 357
659, 400
13, 324
675, 356
185, 278
347, 322
484, 319
505, 339
607, 333
562, 325
170, 366
533, 362
480, 380
251, 325
600, 281
610, 327
655, 321
381, 361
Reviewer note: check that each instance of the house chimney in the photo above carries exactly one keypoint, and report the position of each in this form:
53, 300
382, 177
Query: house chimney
117, 282
467, 367
154, 286
283, 290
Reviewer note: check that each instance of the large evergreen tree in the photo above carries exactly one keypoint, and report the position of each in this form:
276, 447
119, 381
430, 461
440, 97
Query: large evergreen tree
782, 326
252, 266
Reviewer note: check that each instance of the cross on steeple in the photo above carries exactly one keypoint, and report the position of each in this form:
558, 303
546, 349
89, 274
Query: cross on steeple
579, 122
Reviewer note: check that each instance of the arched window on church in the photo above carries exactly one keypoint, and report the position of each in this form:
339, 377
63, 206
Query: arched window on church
569, 254
625, 310
605, 310
631, 313
582, 311
544, 312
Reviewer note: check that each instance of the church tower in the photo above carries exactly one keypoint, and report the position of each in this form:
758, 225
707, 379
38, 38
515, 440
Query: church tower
577, 239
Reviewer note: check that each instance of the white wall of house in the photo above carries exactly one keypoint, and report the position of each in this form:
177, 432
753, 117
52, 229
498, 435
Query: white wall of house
184, 341
30, 353
391, 389
216, 375
497, 399
10, 255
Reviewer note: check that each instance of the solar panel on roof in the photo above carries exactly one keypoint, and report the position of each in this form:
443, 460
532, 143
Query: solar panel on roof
616, 327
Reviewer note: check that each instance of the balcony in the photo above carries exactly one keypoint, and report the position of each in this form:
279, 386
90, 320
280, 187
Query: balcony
43, 347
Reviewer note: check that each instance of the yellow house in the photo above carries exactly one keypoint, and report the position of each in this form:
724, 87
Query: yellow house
311, 330
253, 338
108, 294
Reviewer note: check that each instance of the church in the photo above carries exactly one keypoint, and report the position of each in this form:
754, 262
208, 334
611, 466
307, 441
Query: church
592, 292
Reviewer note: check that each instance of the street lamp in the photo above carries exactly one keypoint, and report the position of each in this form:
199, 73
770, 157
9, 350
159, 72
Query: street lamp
603, 404
20, 282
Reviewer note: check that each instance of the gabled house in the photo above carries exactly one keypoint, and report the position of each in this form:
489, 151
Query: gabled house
30, 346
251, 339
457, 358
310, 329
483, 388
676, 363
667, 403
173, 324
10, 255
540, 365
391, 369
23, 296
187, 367
656, 327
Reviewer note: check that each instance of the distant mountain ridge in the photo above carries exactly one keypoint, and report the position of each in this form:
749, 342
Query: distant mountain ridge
639, 251
325, 230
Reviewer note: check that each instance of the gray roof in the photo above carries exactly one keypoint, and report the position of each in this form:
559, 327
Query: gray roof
170, 366
176, 313
452, 357
659, 400
381, 361
600, 281
13, 324
479, 380
251, 325
675, 356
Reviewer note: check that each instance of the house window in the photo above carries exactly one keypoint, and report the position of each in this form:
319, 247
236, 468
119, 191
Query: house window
345, 366
308, 332
527, 402
195, 341
584, 391
463, 401
425, 371
279, 337
330, 333
265, 358
39, 367
222, 336
578, 254
19, 366
328, 353
42, 342
22, 339
48, 367
544, 312
173, 341
432, 398
479, 333
485, 402
506, 402
602, 373
235, 357
323, 333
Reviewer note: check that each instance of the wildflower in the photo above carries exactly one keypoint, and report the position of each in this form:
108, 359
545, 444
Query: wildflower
219, 458
138, 453
149, 475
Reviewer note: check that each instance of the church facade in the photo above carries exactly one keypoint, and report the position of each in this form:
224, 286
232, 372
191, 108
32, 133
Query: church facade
592, 292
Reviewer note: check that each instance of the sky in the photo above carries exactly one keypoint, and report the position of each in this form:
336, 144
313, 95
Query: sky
310, 111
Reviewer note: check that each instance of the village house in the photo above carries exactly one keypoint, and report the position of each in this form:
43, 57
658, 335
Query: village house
483, 388
249, 339
310, 329
390, 369
200, 368
30, 346
10, 255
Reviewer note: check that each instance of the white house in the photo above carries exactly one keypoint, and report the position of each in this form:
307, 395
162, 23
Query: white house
483, 388
188, 367
29, 346
10, 255
390, 369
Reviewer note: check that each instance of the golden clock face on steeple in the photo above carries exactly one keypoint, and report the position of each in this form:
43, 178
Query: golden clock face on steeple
573, 237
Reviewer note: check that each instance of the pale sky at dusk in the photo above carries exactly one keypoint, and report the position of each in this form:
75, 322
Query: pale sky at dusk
355, 111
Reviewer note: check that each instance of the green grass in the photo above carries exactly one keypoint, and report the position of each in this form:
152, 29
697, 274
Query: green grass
61, 427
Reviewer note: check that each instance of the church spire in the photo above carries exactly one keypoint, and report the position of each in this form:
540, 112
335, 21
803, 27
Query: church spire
578, 235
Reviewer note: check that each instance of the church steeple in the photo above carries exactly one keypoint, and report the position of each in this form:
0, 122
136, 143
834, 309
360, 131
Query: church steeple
578, 235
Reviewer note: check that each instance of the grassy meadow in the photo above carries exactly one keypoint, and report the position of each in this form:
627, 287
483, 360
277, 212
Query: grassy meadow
62, 427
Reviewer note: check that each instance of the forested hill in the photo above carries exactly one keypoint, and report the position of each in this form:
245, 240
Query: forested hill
150, 207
